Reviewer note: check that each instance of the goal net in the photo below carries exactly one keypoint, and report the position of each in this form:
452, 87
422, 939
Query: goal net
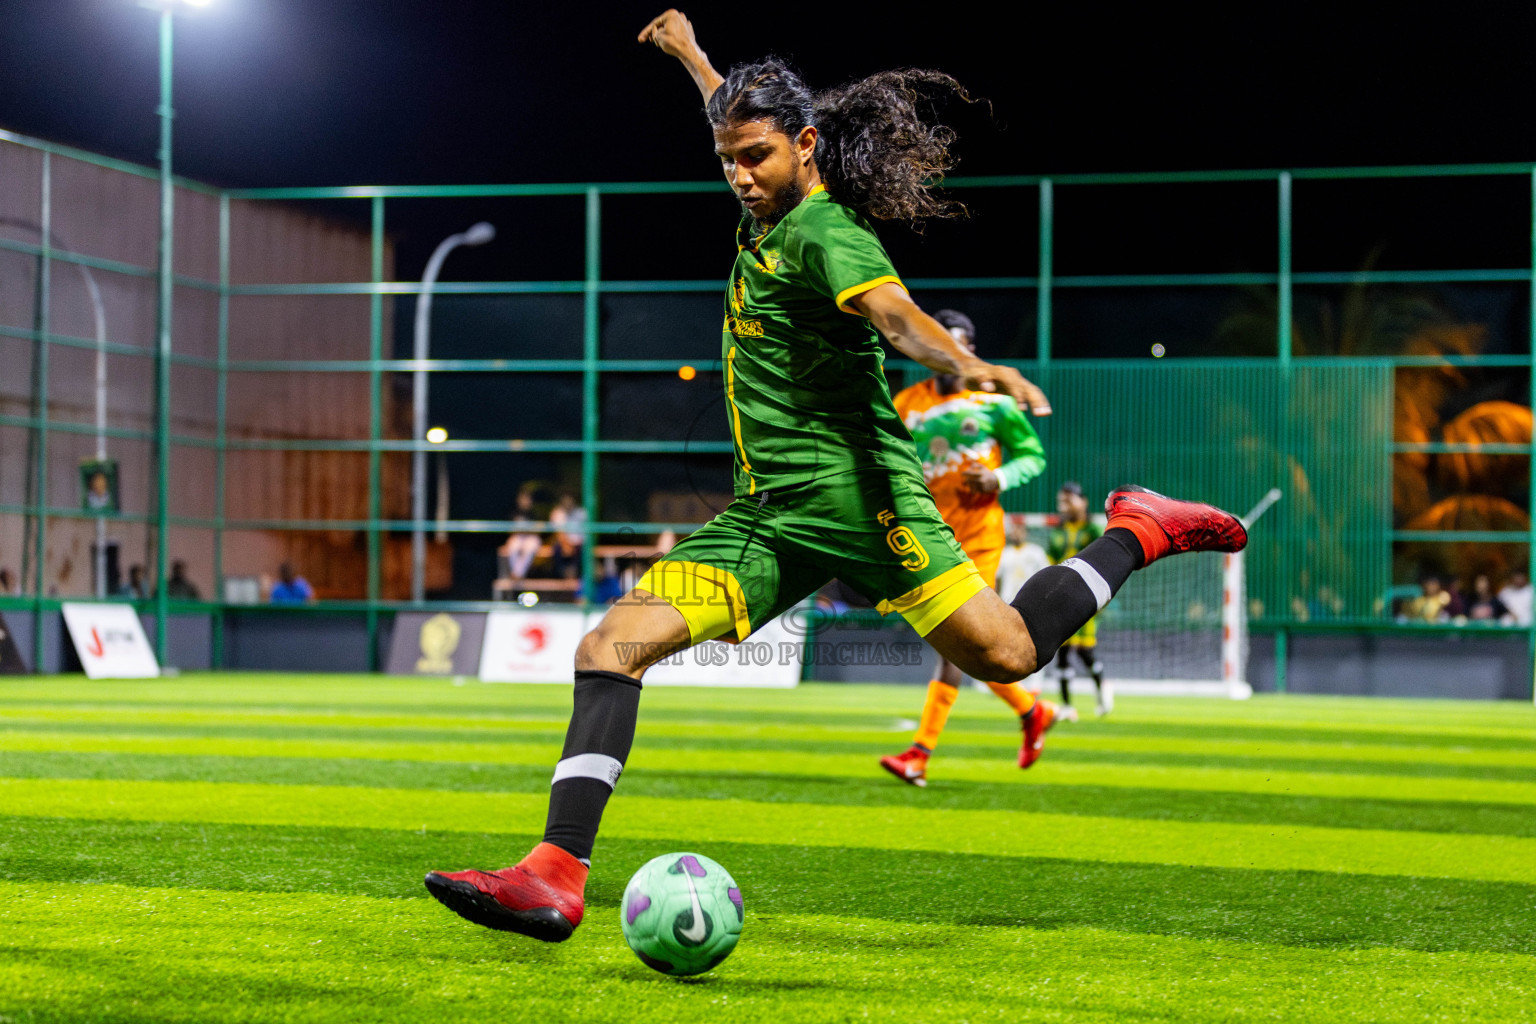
1177, 628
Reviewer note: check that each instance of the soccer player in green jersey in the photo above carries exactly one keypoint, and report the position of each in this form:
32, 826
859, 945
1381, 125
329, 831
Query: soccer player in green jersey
1074, 532
827, 481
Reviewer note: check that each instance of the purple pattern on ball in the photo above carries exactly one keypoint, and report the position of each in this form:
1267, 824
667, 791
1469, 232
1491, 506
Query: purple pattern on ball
691, 864
637, 906
735, 896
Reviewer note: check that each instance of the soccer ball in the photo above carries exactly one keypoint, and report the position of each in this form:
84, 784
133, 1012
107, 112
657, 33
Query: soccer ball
682, 913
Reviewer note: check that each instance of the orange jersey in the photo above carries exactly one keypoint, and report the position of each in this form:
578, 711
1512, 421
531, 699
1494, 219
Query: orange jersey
971, 428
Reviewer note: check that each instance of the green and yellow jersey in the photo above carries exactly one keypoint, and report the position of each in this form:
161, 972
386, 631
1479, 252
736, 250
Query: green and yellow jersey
827, 481
1066, 540
804, 372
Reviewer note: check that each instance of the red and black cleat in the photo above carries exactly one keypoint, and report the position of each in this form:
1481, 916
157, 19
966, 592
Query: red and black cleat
1037, 722
513, 899
1167, 526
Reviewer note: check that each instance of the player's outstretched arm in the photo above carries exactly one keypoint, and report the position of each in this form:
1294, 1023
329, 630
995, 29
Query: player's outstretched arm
672, 32
919, 336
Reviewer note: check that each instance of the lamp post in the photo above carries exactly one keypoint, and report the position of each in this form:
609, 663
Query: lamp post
99, 314
478, 234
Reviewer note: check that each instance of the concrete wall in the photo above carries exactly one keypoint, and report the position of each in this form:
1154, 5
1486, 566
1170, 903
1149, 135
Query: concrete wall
1474, 665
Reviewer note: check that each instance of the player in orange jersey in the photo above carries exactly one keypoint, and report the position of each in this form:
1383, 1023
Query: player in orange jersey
973, 446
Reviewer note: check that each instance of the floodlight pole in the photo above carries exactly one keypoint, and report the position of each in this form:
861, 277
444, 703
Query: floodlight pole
163, 349
479, 234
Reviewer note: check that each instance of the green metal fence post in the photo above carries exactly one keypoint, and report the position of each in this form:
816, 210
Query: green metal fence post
1283, 298
221, 428
40, 510
163, 350
591, 334
1283, 341
1281, 636
1043, 292
375, 433
1530, 551
1044, 282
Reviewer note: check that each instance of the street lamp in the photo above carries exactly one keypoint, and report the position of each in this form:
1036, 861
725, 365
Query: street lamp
478, 234
100, 315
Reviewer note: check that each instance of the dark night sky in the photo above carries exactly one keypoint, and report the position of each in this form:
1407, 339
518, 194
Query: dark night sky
277, 92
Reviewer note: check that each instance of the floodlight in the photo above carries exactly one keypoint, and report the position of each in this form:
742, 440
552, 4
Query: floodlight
437, 435
479, 233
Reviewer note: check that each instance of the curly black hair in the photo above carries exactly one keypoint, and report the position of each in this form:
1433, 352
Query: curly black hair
880, 147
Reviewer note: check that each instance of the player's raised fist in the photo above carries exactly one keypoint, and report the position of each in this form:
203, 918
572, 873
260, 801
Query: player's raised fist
672, 32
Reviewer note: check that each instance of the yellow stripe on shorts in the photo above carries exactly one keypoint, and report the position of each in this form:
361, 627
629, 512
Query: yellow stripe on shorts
708, 598
936, 600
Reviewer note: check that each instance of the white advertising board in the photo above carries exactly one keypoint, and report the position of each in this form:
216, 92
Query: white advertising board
770, 657
110, 641
540, 647
530, 646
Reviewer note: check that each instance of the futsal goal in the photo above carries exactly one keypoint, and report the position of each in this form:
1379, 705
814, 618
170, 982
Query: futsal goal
1178, 628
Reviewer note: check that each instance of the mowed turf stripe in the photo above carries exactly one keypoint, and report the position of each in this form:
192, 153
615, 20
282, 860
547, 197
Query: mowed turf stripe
120, 953
1054, 769
1340, 719
714, 710
1016, 834
874, 788
1082, 738
1306, 908
1295, 747
715, 751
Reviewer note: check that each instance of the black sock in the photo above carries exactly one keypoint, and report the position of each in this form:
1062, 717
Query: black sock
1056, 601
1064, 677
606, 706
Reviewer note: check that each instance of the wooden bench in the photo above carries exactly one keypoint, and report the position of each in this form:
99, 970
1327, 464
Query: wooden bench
503, 589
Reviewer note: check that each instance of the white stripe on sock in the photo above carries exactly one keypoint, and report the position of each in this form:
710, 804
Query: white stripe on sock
1091, 577
589, 766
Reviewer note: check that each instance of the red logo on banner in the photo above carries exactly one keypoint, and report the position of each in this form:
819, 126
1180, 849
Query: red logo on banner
534, 639
96, 647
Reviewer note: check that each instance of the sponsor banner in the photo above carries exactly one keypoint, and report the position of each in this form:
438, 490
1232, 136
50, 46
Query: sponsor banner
10, 655
540, 647
770, 657
444, 644
110, 641
530, 646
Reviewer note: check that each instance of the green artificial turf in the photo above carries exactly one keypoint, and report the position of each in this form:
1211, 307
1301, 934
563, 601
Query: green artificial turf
250, 848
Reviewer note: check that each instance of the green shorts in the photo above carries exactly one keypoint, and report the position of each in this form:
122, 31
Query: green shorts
880, 535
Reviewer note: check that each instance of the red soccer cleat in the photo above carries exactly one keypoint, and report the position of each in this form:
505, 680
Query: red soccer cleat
910, 766
1169, 526
1037, 723
540, 896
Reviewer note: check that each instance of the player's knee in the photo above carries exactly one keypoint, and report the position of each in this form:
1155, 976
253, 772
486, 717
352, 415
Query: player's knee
1005, 660
590, 653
